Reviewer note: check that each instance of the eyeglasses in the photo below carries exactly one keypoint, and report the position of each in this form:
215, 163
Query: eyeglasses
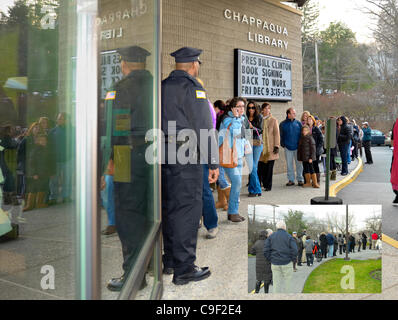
253, 108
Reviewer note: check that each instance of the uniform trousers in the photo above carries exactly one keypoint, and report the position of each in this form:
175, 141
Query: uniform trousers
182, 187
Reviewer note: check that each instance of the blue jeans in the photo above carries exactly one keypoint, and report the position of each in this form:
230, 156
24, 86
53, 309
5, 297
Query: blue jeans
343, 153
349, 152
330, 253
291, 157
63, 177
209, 212
235, 176
222, 181
108, 200
254, 182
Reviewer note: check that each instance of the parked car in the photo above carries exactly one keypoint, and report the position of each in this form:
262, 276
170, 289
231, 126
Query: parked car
388, 139
378, 137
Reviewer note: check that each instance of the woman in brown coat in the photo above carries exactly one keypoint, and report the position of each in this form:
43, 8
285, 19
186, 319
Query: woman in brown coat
271, 143
307, 154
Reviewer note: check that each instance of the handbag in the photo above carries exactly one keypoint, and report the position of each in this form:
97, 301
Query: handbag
228, 155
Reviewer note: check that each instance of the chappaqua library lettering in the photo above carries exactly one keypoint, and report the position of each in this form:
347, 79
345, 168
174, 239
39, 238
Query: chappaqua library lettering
262, 77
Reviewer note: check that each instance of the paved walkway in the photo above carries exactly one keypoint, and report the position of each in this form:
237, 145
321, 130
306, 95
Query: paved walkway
226, 255
300, 277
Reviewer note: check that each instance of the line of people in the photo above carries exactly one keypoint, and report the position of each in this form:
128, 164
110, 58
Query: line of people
278, 253
42, 164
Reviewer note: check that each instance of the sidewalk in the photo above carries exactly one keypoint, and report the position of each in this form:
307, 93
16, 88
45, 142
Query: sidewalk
300, 277
226, 255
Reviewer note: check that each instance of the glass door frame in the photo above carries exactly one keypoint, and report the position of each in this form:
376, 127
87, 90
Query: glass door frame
88, 284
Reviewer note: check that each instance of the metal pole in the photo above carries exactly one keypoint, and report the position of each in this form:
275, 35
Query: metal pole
328, 129
317, 68
346, 234
86, 151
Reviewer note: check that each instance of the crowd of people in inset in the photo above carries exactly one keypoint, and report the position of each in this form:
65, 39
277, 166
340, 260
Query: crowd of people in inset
278, 253
40, 166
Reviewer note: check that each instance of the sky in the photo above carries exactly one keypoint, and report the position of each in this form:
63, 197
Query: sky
360, 212
349, 12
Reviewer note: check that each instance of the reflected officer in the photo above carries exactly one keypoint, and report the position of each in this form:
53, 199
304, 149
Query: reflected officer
185, 106
131, 118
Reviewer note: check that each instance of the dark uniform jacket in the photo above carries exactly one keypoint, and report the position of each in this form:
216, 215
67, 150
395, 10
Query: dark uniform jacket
184, 101
306, 149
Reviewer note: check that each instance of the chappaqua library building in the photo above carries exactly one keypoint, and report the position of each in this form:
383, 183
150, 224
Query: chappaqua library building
63, 64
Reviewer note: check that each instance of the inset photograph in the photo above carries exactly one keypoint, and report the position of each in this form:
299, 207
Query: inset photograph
314, 249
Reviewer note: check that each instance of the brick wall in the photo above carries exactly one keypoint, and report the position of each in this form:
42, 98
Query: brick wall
202, 24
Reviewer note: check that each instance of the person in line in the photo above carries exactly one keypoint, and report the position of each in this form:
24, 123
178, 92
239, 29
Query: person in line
256, 126
330, 242
355, 139
304, 117
359, 242
319, 141
290, 132
271, 144
364, 240
323, 244
108, 199
340, 241
350, 126
343, 140
299, 244
263, 266
281, 250
223, 186
375, 237
60, 145
367, 142
306, 153
209, 211
335, 245
185, 104
44, 123
231, 128
301, 249
8, 143
309, 247
38, 174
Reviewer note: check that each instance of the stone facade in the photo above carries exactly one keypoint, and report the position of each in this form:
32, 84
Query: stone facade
204, 24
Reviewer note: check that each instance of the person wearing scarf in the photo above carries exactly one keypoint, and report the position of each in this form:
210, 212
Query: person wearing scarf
271, 144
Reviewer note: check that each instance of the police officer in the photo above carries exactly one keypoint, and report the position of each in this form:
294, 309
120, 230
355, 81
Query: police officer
131, 118
185, 106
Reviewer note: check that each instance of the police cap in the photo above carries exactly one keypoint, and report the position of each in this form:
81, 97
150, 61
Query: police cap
133, 54
186, 54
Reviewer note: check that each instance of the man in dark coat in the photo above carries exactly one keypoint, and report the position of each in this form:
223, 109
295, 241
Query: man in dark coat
324, 244
132, 100
185, 108
263, 266
281, 250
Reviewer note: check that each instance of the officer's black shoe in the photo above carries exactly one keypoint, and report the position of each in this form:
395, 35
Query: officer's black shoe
258, 286
395, 202
168, 271
197, 274
116, 284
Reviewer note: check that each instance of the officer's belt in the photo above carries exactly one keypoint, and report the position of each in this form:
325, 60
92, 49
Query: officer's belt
173, 140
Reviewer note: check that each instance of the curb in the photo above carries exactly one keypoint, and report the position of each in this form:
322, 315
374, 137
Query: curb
335, 188
390, 241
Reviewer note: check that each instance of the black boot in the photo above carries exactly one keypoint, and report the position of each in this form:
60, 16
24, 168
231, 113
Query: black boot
258, 285
266, 286
395, 202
